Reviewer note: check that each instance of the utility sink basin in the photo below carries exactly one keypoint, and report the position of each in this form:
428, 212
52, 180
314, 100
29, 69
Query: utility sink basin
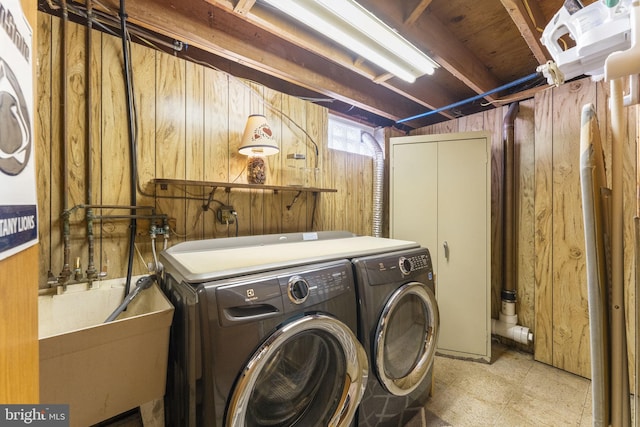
102, 369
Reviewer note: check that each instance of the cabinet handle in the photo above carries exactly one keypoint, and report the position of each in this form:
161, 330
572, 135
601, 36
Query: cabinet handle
446, 250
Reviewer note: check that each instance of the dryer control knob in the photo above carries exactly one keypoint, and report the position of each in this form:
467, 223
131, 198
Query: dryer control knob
405, 265
298, 290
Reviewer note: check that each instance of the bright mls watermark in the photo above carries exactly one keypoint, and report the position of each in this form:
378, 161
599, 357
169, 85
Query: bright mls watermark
34, 415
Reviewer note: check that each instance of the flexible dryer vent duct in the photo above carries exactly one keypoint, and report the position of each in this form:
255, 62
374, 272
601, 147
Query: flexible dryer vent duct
506, 325
378, 175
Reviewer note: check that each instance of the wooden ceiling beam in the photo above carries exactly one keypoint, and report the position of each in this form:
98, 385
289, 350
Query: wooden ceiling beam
417, 11
529, 18
298, 35
243, 6
205, 27
431, 35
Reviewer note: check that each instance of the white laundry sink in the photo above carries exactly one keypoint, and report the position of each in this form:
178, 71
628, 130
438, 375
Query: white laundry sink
102, 369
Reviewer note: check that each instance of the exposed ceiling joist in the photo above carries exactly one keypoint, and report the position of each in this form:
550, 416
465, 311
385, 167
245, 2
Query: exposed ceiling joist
417, 11
243, 6
213, 30
299, 36
479, 45
429, 34
528, 17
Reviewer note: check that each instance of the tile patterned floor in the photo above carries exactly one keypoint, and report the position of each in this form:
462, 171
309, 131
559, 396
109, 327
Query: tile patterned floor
514, 390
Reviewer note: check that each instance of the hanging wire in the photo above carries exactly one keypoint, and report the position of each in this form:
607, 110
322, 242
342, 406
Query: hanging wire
473, 98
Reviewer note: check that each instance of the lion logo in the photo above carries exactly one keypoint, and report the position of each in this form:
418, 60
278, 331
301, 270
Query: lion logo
15, 133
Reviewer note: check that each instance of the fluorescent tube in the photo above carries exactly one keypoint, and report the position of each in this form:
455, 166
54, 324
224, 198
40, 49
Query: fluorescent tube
352, 26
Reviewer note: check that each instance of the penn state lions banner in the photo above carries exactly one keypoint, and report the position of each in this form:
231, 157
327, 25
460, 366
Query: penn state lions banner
18, 197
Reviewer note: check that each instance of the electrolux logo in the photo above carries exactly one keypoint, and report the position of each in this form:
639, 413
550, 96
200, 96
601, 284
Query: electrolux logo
34, 415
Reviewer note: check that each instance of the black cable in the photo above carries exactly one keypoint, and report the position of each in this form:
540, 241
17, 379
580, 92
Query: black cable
132, 141
235, 214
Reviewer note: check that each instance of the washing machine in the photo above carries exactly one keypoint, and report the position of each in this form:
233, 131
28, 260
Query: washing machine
258, 345
398, 327
193, 269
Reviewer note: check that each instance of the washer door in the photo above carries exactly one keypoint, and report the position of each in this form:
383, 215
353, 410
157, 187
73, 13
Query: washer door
311, 372
406, 337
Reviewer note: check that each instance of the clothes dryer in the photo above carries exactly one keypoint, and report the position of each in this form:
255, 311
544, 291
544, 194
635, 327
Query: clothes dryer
271, 348
398, 326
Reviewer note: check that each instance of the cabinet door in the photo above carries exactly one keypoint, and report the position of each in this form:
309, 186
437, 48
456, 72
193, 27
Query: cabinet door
440, 197
414, 206
463, 256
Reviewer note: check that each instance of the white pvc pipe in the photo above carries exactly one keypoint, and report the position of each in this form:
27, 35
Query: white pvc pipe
627, 62
506, 326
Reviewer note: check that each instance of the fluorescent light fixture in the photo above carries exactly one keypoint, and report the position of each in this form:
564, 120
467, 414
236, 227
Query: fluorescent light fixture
357, 29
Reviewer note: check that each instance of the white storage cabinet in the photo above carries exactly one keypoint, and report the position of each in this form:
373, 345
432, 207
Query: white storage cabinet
440, 196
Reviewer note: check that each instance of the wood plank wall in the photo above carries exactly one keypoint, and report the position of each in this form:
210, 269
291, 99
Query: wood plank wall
551, 276
190, 122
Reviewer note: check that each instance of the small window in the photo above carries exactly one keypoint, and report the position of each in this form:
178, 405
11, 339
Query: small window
344, 135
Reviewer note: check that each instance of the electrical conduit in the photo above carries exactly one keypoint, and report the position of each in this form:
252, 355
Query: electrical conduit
91, 267
65, 274
132, 142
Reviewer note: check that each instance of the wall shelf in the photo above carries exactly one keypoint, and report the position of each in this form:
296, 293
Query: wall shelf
164, 183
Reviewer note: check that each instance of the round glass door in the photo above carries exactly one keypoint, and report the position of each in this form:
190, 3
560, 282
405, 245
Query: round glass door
310, 372
406, 336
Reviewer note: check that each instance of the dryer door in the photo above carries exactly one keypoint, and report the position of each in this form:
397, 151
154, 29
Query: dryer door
311, 372
406, 337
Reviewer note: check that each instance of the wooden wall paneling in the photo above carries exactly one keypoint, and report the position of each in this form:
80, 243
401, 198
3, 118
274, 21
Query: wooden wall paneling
239, 110
471, 123
143, 62
448, 126
525, 225
43, 111
115, 161
55, 223
354, 208
543, 211
326, 205
194, 148
256, 197
95, 81
366, 194
216, 144
316, 125
570, 307
494, 120
170, 136
274, 201
76, 139
293, 141
19, 363
353, 201
342, 199
144, 82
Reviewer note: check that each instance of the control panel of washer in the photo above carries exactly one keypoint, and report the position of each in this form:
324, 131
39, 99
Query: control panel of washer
317, 284
413, 263
383, 269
